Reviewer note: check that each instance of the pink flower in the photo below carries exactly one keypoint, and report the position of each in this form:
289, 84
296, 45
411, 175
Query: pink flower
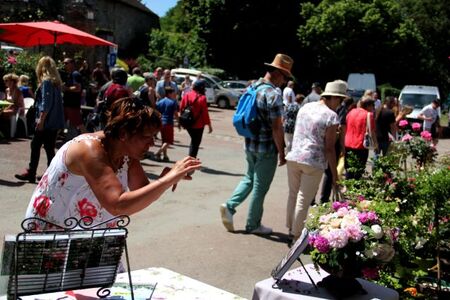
361, 198
337, 238
370, 273
337, 205
403, 123
354, 233
406, 137
416, 126
426, 135
365, 217
321, 243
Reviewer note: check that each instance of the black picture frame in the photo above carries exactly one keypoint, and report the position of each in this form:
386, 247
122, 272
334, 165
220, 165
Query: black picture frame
293, 254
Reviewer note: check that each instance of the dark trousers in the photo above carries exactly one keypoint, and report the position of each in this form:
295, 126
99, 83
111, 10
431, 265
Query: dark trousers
196, 135
355, 162
328, 178
47, 138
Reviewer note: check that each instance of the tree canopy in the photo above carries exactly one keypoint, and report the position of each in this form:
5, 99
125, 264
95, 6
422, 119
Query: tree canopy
401, 41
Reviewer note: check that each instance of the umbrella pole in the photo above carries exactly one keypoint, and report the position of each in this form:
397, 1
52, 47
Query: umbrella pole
54, 45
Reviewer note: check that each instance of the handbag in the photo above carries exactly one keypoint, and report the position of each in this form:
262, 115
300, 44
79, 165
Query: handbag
368, 142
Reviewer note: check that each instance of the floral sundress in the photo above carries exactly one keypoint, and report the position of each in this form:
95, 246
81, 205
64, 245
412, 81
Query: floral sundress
61, 194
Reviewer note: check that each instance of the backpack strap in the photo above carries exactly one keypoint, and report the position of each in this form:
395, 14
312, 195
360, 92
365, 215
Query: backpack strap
260, 116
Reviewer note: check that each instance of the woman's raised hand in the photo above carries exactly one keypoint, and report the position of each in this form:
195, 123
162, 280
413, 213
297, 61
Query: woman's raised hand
181, 170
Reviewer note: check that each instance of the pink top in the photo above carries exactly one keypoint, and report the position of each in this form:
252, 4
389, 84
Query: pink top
356, 128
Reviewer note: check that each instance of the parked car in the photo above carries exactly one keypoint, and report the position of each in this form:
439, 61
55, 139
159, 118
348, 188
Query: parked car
359, 82
238, 85
216, 93
418, 96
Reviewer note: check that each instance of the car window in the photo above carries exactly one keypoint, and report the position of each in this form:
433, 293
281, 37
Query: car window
417, 100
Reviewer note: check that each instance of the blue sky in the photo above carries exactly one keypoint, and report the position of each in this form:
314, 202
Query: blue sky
160, 7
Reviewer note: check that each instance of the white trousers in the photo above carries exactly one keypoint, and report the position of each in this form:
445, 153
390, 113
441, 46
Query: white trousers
303, 181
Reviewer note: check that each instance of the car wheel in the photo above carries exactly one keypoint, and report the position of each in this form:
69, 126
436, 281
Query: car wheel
223, 102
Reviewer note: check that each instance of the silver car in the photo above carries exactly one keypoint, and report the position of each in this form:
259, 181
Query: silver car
216, 93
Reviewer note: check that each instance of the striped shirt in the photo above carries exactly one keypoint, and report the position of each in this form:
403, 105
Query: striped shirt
270, 107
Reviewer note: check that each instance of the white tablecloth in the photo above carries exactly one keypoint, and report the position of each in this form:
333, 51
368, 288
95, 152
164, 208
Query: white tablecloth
169, 286
296, 285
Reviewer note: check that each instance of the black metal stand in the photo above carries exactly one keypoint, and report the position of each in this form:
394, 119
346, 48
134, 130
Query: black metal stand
50, 258
276, 284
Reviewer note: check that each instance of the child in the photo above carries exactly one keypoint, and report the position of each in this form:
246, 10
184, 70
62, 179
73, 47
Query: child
168, 107
26, 90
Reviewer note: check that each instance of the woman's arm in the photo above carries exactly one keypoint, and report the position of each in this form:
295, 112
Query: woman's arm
88, 159
330, 151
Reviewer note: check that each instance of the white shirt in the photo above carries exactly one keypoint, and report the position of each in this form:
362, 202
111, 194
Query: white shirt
429, 112
288, 96
308, 145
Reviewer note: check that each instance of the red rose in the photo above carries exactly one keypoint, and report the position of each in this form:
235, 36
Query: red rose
41, 205
62, 178
86, 208
43, 182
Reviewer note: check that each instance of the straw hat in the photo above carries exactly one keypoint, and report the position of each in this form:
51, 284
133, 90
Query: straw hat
282, 62
335, 88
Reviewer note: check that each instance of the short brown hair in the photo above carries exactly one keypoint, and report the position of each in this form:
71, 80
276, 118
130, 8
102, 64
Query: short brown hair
131, 115
366, 102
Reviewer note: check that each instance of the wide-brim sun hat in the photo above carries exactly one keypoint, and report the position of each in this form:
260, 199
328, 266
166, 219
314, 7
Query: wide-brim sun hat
336, 88
283, 63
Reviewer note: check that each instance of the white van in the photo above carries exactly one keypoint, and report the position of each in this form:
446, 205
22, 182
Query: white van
359, 82
215, 92
7, 48
418, 96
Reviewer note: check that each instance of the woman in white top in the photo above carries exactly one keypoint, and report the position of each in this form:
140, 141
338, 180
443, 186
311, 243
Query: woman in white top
312, 151
100, 176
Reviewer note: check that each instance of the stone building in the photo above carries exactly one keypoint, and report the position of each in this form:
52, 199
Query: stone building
127, 23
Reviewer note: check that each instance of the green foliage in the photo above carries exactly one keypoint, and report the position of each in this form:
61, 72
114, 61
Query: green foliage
397, 40
26, 65
417, 202
168, 49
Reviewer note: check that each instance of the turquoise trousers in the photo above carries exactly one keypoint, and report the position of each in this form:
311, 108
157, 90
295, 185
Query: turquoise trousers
260, 171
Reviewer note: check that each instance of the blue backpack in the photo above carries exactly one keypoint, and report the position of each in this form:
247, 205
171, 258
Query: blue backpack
246, 119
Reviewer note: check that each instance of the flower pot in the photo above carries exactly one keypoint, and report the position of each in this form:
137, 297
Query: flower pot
341, 283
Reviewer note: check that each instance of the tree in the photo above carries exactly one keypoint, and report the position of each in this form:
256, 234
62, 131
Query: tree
379, 36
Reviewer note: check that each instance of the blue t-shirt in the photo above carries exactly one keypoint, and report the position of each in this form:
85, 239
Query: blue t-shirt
167, 107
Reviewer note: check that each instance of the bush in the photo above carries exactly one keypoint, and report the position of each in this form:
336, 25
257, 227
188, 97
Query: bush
26, 65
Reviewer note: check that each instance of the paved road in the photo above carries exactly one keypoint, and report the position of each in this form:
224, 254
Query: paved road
182, 231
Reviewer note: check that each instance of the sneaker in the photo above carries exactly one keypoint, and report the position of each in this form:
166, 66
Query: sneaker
166, 159
227, 217
26, 176
262, 230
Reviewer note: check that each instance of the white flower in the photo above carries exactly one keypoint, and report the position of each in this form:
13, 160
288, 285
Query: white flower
420, 242
377, 231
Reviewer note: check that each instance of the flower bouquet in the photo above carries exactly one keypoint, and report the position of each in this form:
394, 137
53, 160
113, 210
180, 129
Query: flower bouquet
348, 240
418, 143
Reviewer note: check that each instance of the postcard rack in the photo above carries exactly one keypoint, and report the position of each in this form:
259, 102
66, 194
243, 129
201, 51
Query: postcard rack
47, 258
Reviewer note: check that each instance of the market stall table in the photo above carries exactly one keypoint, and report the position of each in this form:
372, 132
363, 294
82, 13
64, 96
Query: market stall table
160, 283
296, 285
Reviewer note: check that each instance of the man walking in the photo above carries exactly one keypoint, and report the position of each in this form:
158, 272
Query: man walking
165, 81
314, 96
72, 95
262, 150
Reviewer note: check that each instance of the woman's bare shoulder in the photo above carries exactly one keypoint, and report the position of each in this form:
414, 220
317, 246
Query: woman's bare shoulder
85, 149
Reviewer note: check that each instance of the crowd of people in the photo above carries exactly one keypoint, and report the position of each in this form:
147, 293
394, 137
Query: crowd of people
308, 134
319, 129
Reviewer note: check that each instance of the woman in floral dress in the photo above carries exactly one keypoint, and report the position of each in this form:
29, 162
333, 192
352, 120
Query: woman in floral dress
312, 151
99, 175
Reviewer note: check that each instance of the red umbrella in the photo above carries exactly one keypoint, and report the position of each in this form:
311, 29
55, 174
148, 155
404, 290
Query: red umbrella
30, 34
